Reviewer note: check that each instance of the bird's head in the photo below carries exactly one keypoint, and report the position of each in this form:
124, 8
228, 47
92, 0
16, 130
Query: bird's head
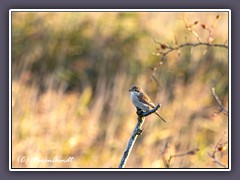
136, 90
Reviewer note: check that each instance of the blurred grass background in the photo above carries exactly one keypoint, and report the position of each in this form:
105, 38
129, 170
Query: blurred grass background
71, 72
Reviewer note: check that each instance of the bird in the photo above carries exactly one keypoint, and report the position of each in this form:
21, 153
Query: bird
141, 100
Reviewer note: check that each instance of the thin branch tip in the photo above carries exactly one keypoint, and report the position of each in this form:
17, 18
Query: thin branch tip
146, 113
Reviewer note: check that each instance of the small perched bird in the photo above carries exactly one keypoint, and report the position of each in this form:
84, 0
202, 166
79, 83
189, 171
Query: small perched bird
141, 100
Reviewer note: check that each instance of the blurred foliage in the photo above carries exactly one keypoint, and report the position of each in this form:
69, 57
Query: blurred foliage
71, 72
76, 53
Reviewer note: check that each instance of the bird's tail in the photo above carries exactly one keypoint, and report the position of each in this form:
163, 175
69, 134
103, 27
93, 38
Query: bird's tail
160, 117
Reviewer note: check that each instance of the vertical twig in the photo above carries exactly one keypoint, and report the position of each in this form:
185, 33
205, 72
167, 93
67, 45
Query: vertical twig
219, 102
136, 132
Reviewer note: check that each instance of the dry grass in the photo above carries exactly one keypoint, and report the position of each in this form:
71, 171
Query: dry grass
62, 125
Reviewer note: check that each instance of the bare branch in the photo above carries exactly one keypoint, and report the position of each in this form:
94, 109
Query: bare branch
168, 49
189, 27
190, 152
216, 161
146, 113
219, 147
167, 162
188, 44
219, 102
216, 21
137, 131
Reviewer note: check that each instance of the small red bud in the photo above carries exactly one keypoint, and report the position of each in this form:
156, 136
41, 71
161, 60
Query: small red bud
221, 148
163, 46
204, 26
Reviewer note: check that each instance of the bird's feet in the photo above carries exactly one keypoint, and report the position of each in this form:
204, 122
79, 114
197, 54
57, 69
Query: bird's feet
139, 112
140, 131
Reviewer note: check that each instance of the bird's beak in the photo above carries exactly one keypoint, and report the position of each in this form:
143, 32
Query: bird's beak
130, 90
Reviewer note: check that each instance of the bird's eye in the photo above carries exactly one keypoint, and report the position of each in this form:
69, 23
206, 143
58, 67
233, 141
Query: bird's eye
136, 90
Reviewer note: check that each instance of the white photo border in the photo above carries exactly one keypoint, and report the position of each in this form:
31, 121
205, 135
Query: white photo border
117, 169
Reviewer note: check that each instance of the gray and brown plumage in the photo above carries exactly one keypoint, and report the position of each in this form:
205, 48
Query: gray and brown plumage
141, 100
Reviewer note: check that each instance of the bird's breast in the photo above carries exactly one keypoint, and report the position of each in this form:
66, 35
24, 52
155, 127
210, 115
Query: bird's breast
137, 103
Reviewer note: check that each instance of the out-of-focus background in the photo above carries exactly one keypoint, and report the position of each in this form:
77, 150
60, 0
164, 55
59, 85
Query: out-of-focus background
71, 72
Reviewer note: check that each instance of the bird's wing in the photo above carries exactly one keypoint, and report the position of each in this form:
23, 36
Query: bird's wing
146, 100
